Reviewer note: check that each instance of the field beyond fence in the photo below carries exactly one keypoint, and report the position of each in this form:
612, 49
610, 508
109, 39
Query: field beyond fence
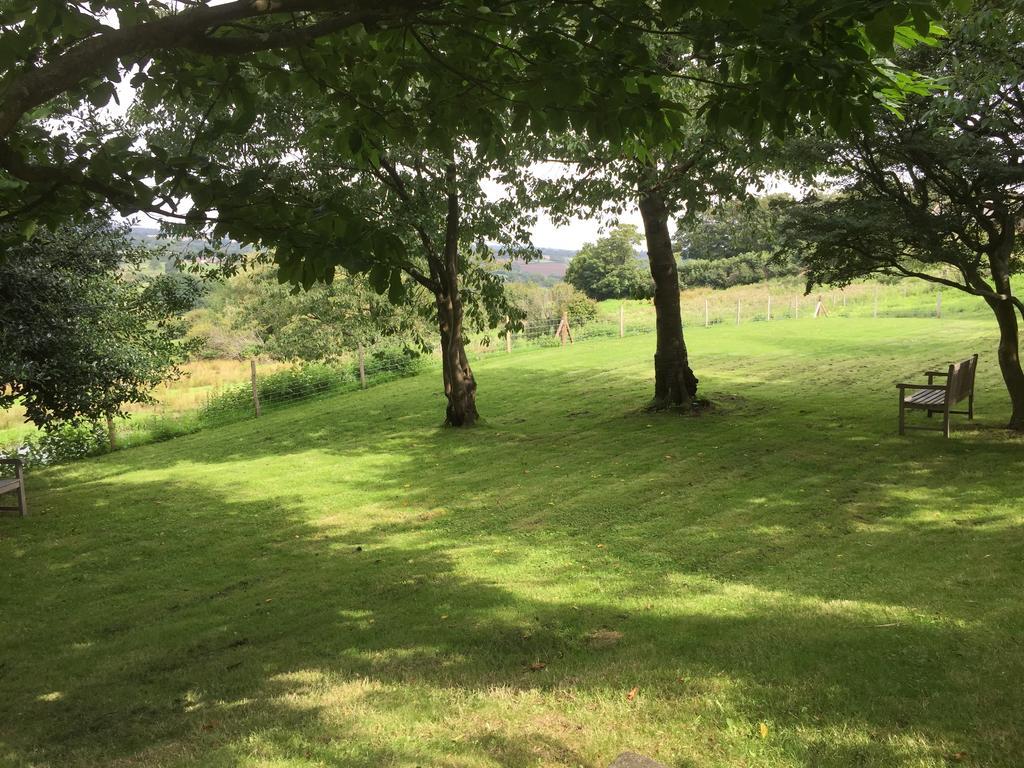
215, 392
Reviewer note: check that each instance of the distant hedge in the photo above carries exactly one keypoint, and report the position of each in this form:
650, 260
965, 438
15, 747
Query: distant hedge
744, 269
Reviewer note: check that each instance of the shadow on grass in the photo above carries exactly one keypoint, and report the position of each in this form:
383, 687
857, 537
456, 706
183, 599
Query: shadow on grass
828, 583
221, 637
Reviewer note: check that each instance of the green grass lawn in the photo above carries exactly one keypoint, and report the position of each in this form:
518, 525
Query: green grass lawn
345, 583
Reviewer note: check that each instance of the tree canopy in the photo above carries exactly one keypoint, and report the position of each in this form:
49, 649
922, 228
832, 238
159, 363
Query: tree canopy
82, 336
476, 70
731, 228
935, 193
609, 268
242, 112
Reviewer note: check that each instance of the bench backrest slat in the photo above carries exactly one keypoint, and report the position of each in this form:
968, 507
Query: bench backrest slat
961, 379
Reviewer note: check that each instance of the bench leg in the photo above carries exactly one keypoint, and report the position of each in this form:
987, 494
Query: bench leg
22, 502
902, 430
970, 407
945, 422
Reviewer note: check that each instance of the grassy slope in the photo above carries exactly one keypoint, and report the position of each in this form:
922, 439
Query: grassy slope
784, 560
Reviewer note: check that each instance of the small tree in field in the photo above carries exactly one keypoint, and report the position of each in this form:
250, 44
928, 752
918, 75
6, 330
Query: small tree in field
609, 268
323, 323
80, 336
937, 193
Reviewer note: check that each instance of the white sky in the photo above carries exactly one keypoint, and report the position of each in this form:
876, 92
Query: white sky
579, 231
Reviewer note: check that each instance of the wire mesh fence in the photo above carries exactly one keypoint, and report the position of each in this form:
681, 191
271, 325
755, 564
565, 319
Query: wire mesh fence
750, 304
271, 387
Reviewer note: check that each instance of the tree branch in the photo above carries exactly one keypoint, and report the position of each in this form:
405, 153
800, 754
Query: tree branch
191, 29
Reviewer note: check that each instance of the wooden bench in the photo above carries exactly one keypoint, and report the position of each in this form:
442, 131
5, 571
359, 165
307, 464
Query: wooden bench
940, 398
14, 484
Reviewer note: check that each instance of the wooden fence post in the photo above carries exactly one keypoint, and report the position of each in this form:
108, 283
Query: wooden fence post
737, 311
622, 321
255, 388
819, 309
362, 367
563, 329
707, 321
796, 305
769, 306
844, 297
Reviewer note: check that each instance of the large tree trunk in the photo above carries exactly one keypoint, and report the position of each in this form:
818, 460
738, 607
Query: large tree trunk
674, 382
1009, 333
459, 384
1009, 358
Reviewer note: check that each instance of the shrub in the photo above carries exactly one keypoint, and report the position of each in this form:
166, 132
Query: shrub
581, 309
301, 382
63, 442
544, 306
393, 361
726, 272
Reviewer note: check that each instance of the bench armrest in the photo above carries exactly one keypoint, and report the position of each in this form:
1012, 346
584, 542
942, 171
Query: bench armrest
12, 462
936, 373
921, 386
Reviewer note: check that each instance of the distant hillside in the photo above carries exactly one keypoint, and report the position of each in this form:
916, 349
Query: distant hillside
558, 254
151, 235
547, 270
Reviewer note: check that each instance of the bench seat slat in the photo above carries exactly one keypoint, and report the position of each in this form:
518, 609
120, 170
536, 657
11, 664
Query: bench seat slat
8, 484
926, 397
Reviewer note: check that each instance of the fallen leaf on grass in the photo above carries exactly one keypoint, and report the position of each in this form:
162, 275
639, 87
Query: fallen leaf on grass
632, 694
762, 730
537, 666
958, 757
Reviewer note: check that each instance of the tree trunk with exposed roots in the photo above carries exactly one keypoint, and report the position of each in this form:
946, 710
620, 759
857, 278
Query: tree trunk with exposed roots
675, 385
459, 384
1006, 316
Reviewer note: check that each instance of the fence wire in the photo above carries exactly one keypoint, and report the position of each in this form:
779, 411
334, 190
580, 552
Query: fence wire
279, 389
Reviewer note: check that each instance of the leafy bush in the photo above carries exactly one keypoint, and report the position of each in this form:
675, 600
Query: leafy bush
393, 361
726, 272
310, 380
63, 442
301, 382
544, 306
581, 309
157, 428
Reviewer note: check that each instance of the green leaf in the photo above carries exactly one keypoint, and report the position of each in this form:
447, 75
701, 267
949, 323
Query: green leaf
396, 290
380, 275
355, 140
880, 31
672, 10
921, 21
101, 95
